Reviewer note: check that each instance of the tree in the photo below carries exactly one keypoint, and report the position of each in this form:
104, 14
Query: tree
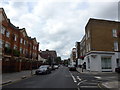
58, 60
49, 61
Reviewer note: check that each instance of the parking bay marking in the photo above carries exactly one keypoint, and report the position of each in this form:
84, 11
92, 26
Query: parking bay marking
97, 77
78, 78
73, 77
81, 82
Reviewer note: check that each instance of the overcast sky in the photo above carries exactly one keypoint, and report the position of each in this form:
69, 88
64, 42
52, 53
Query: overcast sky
58, 24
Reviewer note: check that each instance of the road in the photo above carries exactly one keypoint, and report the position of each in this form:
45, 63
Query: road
61, 78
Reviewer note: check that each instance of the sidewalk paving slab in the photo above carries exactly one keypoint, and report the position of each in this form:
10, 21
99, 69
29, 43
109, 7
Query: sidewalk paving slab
12, 77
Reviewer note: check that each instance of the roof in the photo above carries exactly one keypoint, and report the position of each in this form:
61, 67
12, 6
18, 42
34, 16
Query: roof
101, 20
47, 54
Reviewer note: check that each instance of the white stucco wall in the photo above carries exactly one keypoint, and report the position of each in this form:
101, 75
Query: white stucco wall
95, 62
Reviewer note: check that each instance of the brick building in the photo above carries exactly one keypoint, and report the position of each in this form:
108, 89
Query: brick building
49, 55
19, 51
102, 45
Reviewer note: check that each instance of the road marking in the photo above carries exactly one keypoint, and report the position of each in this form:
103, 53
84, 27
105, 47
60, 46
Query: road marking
97, 77
81, 82
88, 86
73, 77
78, 78
90, 83
78, 88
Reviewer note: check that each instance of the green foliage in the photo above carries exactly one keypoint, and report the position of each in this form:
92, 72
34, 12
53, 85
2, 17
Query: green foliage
58, 60
8, 50
16, 53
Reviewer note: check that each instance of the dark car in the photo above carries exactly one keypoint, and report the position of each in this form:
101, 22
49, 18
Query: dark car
43, 69
117, 69
72, 68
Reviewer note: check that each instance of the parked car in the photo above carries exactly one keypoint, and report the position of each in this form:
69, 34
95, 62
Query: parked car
117, 69
72, 68
43, 69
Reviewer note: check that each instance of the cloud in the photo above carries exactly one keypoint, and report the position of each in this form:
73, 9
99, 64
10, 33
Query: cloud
58, 24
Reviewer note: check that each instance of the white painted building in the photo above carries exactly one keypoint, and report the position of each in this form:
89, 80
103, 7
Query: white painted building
101, 61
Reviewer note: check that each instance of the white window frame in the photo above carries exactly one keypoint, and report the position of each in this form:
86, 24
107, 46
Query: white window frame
1, 42
115, 45
114, 32
105, 64
21, 49
24, 42
3, 30
88, 32
7, 44
21, 40
7, 33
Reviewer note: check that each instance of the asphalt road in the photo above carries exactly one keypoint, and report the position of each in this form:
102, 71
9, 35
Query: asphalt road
61, 78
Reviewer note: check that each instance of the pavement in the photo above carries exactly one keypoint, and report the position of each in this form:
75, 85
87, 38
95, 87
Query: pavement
108, 85
16, 76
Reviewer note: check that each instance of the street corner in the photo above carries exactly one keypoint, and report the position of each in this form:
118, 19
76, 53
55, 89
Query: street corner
113, 85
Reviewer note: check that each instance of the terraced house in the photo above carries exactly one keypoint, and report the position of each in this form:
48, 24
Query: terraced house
100, 46
19, 51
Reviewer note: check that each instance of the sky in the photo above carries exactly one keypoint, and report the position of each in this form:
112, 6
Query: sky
58, 24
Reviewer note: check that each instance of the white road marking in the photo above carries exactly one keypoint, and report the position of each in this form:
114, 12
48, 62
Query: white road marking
73, 77
88, 86
78, 88
81, 82
97, 77
78, 78
90, 83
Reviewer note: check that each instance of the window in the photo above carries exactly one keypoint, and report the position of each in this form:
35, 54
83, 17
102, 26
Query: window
15, 47
88, 62
7, 34
89, 47
21, 50
115, 46
24, 42
0, 43
7, 45
2, 30
21, 40
15, 38
114, 33
88, 33
106, 62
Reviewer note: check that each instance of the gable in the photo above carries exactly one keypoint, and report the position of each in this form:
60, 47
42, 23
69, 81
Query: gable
35, 41
24, 32
3, 16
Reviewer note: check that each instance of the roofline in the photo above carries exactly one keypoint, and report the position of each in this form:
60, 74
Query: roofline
104, 20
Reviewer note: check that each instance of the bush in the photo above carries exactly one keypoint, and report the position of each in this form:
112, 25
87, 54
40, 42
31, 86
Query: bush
8, 50
16, 53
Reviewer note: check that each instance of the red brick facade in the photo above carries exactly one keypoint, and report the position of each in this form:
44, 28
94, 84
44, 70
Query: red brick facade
19, 51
